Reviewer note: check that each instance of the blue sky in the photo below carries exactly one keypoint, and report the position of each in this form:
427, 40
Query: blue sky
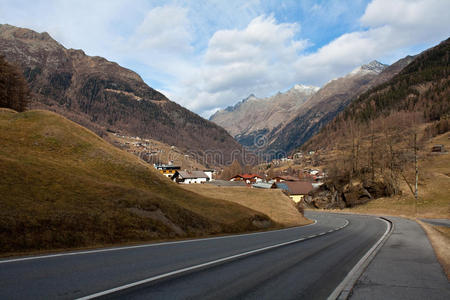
207, 55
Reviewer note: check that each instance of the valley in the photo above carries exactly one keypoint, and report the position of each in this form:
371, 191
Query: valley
159, 185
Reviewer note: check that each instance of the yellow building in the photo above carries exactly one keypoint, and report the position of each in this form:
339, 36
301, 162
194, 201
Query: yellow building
167, 170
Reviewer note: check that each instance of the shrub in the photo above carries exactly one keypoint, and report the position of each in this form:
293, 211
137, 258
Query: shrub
14, 91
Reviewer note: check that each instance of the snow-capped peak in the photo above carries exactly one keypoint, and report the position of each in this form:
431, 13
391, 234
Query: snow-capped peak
305, 88
372, 67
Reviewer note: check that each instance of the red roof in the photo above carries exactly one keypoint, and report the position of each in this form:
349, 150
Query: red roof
247, 176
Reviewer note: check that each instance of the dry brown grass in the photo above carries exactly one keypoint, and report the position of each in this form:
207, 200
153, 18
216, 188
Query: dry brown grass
434, 189
273, 203
62, 186
439, 237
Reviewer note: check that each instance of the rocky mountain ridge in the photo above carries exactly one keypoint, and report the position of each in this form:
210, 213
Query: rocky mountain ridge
254, 116
102, 95
324, 105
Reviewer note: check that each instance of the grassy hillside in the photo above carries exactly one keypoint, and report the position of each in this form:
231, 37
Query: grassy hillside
62, 186
377, 137
434, 188
273, 203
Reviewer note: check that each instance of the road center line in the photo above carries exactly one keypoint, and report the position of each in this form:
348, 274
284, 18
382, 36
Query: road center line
224, 259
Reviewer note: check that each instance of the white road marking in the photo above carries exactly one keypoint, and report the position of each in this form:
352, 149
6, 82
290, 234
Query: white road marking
165, 275
146, 245
347, 284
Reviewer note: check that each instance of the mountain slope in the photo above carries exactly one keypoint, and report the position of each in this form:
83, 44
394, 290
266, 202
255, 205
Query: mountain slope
255, 116
62, 186
101, 95
323, 106
380, 144
423, 85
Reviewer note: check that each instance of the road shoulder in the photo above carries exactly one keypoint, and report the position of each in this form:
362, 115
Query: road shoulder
405, 268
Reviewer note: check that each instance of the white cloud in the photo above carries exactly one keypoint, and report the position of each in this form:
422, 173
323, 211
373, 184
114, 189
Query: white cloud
264, 57
257, 59
210, 54
165, 30
393, 27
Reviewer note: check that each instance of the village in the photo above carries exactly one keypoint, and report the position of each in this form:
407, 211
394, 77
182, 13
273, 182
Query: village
296, 175
295, 187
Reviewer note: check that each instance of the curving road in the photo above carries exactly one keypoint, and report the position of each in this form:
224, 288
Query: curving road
305, 262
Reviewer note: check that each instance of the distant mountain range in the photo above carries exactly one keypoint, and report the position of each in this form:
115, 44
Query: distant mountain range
254, 116
102, 95
331, 99
421, 87
309, 109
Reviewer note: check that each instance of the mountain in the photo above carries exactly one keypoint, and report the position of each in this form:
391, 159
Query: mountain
421, 86
254, 116
331, 99
102, 95
62, 186
379, 143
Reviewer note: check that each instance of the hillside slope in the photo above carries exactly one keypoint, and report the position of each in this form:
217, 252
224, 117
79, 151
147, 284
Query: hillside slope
62, 186
322, 107
101, 95
421, 88
272, 202
381, 139
254, 116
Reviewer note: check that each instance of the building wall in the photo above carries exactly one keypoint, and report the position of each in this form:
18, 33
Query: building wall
209, 174
167, 173
194, 180
297, 198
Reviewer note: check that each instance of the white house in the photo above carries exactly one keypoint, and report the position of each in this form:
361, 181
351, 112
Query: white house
209, 173
188, 177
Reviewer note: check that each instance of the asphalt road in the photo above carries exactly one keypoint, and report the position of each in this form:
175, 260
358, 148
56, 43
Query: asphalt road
310, 262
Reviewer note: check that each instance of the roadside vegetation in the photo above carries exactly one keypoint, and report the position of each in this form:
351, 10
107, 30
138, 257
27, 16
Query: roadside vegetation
439, 237
271, 202
433, 197
382, 135
433, 187
62, 186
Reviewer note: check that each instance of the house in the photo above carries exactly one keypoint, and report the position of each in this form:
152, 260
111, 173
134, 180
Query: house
188, 177
167, 170
247, 178
297, 190
314, 172
285, 178
438, 149
210, 173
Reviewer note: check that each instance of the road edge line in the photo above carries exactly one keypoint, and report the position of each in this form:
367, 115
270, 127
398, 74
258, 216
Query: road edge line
202, 265
344, 289
100, 250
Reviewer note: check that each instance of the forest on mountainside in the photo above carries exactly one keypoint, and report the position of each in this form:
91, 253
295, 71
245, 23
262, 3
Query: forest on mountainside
378, 139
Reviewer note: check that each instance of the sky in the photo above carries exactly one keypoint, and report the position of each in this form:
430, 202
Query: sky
207, 55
